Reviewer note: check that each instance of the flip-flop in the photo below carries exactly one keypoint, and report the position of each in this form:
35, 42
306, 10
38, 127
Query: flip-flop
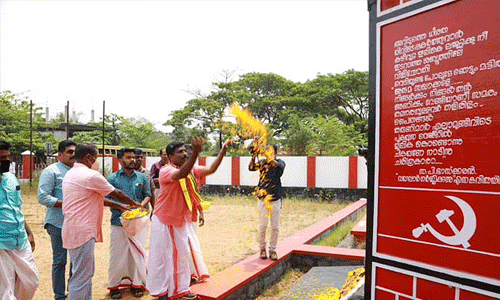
194, 280
115, 294
137, 292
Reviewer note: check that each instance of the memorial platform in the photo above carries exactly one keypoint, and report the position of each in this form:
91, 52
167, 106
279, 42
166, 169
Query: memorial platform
251, 276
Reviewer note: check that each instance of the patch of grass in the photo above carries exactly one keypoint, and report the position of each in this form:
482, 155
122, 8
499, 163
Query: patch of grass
313, 205
339, 233
231, 200
26, 189
280, 288
288, 203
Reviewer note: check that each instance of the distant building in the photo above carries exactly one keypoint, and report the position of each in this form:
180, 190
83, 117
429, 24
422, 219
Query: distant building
60, 131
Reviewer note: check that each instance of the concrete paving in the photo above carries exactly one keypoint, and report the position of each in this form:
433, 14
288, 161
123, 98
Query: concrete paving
318, 280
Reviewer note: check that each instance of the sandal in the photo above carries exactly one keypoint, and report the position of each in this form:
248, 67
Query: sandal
194, 280
263, 254
115, 294
273, 255
190, 296
137, 292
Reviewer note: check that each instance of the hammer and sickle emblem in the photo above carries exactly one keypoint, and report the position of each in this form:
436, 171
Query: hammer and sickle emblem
461, 237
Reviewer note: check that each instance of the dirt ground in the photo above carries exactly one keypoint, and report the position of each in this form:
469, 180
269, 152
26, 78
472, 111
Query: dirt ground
229, 235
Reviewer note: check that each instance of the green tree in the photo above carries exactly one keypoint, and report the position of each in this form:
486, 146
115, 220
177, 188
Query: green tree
122, 131
333, 138
94, 137
15, 123
342, 95
203, 115
318, 136
266, 95
141, 133
280, 104
298, 136
110, 137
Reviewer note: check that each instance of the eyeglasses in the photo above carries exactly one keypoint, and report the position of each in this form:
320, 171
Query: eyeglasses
70, 151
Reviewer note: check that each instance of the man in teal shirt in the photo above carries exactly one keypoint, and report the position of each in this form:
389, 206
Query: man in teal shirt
139, 157
50, 195
127, 259
18, 272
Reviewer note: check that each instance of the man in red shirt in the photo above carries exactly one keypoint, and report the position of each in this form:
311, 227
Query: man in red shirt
169, 274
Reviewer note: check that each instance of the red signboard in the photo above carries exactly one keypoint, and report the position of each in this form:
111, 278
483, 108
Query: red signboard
437, 176
393, 283
385, 5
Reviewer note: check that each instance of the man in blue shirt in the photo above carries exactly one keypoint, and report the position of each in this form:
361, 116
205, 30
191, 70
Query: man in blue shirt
50, 195
127, 259
18, 273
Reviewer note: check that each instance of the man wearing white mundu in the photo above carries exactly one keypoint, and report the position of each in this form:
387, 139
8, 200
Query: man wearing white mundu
127, 257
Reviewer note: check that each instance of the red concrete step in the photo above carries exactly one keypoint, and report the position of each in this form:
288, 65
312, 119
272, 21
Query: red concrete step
359, 231
222, 284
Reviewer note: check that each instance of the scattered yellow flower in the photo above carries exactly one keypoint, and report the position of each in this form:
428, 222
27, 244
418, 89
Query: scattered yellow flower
134, 214
205, 205
353, 280
330, 294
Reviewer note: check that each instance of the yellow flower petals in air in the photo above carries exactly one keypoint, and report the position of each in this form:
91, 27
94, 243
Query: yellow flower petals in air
267, 202
249, 123
251, 128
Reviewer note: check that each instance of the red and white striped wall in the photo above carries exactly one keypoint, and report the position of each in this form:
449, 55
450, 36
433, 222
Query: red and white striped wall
301, 171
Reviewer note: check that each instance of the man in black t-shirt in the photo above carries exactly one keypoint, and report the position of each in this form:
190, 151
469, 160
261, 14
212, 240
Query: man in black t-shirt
270, 193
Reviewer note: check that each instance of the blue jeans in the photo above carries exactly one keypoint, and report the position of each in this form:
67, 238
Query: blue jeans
59, 259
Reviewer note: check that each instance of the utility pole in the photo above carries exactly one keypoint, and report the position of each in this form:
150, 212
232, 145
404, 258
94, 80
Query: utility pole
103, 135
31, 142
67, 118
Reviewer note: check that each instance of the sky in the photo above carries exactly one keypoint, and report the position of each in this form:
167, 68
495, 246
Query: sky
142, 57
